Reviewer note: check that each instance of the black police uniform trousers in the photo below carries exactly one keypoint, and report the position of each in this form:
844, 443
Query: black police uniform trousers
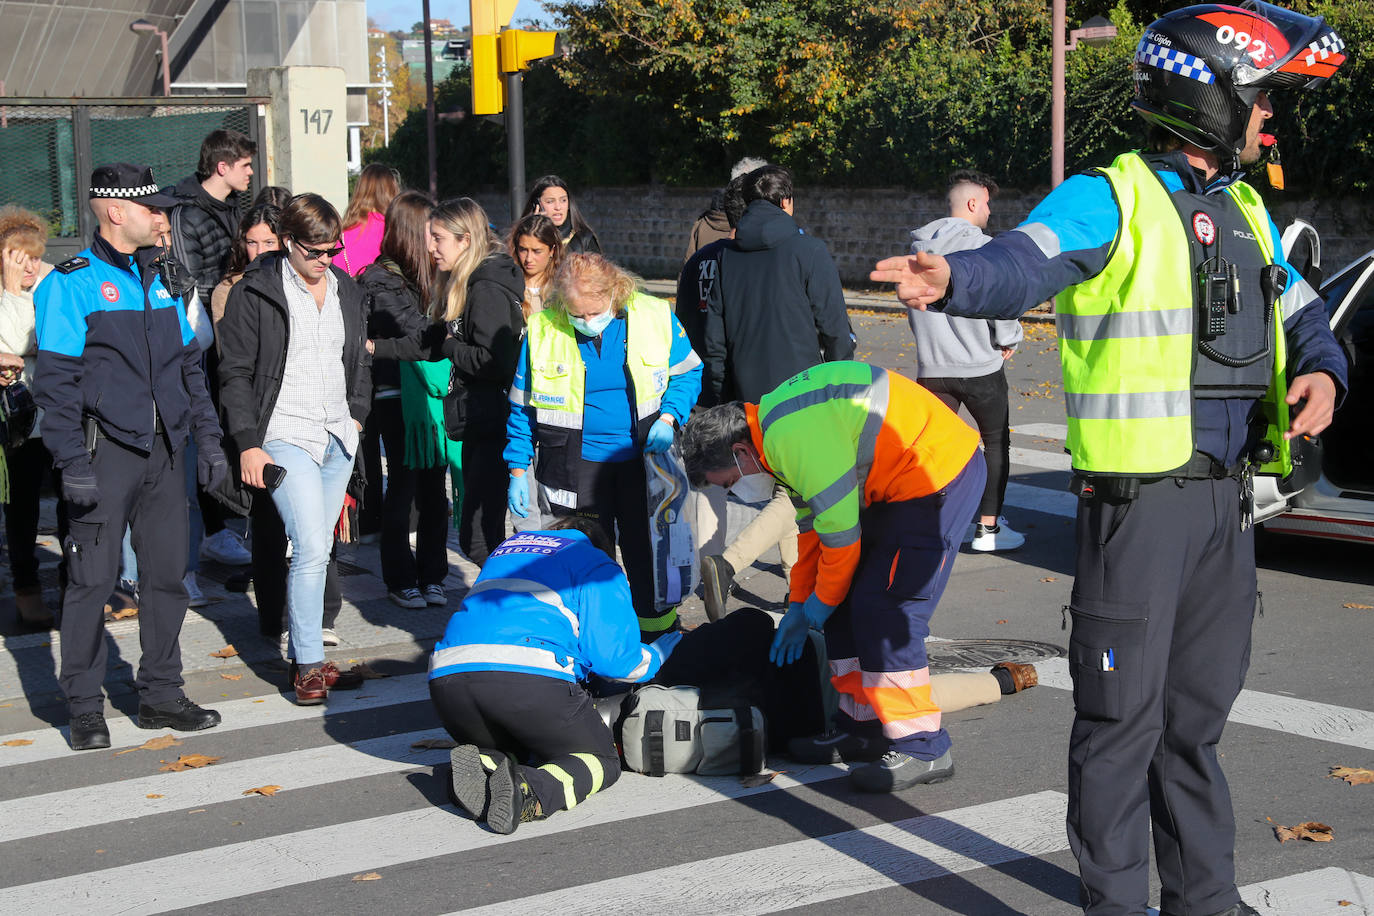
1162, 608
147, 492
564, 749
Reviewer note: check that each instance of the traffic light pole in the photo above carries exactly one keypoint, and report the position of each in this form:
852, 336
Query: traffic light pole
515, 142
429, 107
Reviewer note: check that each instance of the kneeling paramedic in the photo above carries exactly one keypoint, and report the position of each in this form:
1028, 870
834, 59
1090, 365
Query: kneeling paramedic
550, 608
1185, 338
885, 478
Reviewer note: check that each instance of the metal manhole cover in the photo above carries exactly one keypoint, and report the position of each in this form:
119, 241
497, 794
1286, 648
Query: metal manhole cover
984, 653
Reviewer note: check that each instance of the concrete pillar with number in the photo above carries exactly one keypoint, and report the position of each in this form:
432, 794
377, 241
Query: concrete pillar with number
306, 142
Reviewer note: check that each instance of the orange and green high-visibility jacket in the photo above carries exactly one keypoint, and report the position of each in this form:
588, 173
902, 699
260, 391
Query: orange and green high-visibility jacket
845, 435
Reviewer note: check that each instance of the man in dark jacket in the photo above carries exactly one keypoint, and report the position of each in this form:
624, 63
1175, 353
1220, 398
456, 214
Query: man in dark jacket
206, 217
119, 377
776, 308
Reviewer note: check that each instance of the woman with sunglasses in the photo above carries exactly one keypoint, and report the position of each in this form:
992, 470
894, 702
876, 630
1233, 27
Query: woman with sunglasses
295, 388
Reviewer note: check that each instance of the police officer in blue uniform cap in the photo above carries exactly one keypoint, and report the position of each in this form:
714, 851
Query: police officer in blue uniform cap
119, 377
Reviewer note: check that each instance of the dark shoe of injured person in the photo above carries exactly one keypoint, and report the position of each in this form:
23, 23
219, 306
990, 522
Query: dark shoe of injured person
836, 746
717, 576
1014, 677
897, 771
510, 799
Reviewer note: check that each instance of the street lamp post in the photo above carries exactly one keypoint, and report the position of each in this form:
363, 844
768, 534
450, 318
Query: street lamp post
143, 25
1096, 31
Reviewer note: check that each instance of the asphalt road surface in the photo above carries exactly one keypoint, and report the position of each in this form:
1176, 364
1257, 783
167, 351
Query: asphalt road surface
360, 823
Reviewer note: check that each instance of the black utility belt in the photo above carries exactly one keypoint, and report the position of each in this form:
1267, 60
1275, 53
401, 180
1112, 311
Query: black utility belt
94, 431
1199, 467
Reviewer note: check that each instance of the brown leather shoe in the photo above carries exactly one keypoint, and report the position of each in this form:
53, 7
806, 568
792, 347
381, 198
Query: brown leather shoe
311, 688
1022, 675
341, 680
334, 679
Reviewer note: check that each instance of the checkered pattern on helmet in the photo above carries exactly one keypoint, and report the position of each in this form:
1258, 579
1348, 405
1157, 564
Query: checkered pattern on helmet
1328, 44
1174, 61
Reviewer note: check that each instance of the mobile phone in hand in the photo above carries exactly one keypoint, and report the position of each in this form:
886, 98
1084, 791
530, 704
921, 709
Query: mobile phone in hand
273, 475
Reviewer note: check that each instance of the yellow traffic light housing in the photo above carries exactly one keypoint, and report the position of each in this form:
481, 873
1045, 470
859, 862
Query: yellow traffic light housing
488, 82
519, 48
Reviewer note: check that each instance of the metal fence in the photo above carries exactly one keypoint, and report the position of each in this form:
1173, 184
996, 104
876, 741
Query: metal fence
49, 147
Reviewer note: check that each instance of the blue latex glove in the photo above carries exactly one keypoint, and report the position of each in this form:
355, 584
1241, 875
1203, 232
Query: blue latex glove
660, 437
790, 638
664, 645
817, 612
518, 496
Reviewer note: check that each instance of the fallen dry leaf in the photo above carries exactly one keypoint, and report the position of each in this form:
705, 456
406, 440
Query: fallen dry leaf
188, 762
161, 742
18, 742
154, 795
1362, 607
370, 876
5, 705
1308, 830
1048, 578
1356, 776
232, 677
269, 791
434, 743
367, 672
1344, 903
1001, 621
759, 779
227, 652
124, 613
196, 811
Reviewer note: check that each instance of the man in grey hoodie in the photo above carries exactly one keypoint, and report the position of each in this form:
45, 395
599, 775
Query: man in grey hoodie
961, 360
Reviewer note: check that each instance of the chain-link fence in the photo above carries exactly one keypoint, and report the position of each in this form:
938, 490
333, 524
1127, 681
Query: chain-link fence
49, 150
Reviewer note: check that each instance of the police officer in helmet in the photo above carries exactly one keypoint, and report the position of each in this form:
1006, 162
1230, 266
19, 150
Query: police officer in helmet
1186, 342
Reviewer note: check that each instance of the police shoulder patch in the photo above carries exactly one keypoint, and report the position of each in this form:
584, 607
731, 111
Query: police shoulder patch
72, 264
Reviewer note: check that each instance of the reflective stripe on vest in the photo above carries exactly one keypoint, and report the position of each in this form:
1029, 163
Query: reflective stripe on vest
481, 657
536, 590
557, 377
1126, 346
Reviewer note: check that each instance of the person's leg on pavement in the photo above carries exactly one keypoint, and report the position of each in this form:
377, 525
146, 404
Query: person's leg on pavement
28, 465
92, 549
1119, 649
370, 448
333, 593
432, 526
775, 523
195, 526
269, 565
482, 517
309, 500
398, 563
158, 520
1190, 803
912, 546
986, 400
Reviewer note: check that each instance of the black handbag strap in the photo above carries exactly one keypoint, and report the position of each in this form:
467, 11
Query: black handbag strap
653, 736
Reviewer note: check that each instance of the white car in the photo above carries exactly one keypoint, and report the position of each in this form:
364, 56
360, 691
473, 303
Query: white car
1331, 494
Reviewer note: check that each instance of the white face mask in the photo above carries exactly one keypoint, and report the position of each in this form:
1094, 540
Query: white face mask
592, 327
752, 488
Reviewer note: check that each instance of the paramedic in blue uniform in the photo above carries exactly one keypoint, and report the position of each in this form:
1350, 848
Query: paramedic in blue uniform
120, 382
550, 608
1187, 345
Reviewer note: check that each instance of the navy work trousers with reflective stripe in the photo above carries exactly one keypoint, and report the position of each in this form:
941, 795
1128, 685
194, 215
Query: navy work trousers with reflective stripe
550, 726
1162, 607
148, 493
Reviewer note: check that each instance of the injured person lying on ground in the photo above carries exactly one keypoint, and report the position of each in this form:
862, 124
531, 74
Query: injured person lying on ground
550, 613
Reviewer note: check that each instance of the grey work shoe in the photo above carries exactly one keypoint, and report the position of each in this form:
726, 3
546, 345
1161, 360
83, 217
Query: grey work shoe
468, 780
897, 771
717, 576
836, 746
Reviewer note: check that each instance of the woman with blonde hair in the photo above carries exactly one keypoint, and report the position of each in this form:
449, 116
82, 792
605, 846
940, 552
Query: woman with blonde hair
23, 242
478, 325
364, 221
604, 376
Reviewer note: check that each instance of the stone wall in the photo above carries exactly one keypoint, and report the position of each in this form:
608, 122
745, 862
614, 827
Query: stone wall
645, 228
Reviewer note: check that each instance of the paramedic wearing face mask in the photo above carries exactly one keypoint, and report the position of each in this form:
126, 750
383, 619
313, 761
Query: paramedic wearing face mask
605, 373
883, 498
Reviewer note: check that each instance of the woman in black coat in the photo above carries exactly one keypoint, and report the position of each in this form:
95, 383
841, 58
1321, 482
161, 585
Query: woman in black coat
478, 328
